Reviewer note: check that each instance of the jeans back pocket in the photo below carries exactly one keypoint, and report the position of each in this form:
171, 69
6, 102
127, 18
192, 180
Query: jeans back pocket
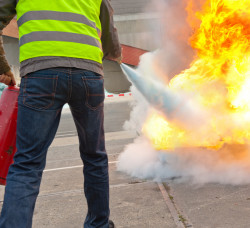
39, 90
94, 85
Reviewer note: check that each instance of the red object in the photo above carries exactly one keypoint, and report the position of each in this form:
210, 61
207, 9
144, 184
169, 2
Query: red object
8, 120
131, 55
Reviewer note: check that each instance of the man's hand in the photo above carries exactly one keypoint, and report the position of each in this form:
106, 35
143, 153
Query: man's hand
119, 59
8, 78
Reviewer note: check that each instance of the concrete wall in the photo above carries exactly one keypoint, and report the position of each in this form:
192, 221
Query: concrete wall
137, 23
138, 30
122, 7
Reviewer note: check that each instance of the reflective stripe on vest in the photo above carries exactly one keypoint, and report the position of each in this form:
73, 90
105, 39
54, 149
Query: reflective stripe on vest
73, 30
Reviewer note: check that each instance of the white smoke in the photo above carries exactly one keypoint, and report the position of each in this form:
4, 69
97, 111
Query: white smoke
139, 112
198, 165
172, 37
195, 165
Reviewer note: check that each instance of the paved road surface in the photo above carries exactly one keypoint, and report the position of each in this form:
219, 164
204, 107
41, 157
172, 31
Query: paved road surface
61, 202
134, 203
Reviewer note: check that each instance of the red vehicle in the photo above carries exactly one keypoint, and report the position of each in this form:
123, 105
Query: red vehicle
8, 122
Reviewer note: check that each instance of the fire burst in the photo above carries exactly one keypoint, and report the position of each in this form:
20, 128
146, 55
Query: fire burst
218, 80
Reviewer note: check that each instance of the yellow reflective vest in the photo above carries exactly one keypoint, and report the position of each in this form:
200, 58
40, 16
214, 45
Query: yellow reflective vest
60, 28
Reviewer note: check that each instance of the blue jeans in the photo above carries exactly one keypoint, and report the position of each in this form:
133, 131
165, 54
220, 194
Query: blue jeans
42, 96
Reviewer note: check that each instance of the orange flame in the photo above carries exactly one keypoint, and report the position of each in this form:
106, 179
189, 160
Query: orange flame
218, 79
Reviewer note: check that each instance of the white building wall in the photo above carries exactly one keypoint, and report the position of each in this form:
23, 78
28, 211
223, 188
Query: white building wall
138, 30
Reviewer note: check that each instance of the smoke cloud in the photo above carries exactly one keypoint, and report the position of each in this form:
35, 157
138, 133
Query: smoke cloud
193, 165
172, 37
229, 165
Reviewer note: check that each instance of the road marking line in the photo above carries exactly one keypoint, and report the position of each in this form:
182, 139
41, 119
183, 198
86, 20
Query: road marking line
63, 132
71, 167
64, 168
111, 186
65, 135
109, 136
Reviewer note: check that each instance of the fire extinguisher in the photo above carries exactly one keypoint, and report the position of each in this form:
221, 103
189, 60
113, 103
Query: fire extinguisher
8, 123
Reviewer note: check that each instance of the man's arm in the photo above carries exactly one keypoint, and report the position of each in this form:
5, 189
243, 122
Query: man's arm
110, 41
7, 13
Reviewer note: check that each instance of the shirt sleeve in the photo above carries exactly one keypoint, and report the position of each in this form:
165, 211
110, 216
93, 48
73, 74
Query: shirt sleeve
7, 13
110, 41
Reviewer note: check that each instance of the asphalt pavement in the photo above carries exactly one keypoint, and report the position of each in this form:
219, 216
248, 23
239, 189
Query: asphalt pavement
134, 203
61, 202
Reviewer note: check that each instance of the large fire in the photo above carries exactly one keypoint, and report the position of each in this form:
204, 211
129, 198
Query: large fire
218, 79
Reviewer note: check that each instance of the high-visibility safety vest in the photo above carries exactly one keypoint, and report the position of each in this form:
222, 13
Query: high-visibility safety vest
63, 28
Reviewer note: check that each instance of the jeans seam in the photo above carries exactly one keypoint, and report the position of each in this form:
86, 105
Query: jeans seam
88, 95
56, 82
40, 77
92, 79
56, 70
36, 95
70, 84
24, 89
86, 79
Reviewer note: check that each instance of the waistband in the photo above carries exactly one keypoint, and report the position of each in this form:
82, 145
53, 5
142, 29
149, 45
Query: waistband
41, 63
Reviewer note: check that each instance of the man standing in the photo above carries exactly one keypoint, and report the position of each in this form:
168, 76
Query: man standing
62, 44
